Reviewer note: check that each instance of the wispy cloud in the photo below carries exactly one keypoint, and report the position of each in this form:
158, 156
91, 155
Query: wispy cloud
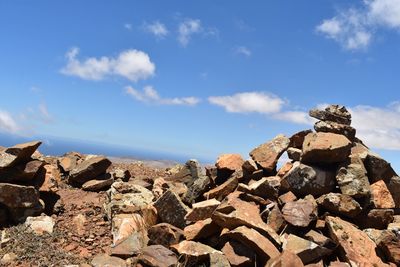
354, 28
131, 64
242, 50
156, 28
8, 123
44, 113
151, 96
186, 29
128, 26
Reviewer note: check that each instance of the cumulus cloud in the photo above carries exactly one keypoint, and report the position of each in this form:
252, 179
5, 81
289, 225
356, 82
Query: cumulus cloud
7, 122
151, 96
156, 28
186, 29
131, 64
242, 50
354, 28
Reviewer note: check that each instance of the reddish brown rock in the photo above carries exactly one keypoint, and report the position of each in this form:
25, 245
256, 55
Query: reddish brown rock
297, 139
340, 204
253, 240
376, 218
355, 245
301, 212
287, 197
325, 148
202, 210
238, 255
308, 251
89, 169
221, 191
22, 172
332, 113
201, 229
378, 168
294, 153
103, 260
320, 240
48, 179
337, 128
286, 259
70, 160
394, 188
267, 155
352, 178
249, 166
267, 187
171, 209
380, 196
164, 234
18, 154
389, 243
194, 251
275, 219
18, 196
229, 162
158, 256
284, 169
103, 182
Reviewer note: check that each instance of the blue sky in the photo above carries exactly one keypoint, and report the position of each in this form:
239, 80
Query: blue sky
198, 78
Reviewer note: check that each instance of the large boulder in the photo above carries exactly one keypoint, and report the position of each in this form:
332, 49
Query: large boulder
301, 213
88, 170
17, 154
333, 113
171, 209
24, 172
352, 178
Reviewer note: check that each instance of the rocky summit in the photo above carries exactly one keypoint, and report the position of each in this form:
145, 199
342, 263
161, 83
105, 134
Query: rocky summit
334, 203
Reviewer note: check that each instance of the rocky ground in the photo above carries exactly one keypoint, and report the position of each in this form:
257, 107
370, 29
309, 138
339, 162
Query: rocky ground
335, 203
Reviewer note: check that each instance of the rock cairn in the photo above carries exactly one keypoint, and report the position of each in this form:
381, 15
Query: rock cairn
335, 203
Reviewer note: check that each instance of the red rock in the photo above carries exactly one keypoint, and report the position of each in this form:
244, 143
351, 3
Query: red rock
286, 259
202, 210
376, 218
378, 168
358, 248
194, 251
48, 179
389, 243
297, 139
18, 154
301, 212
255, 241
287, 197
249, 166
267, 154
21, 173
164, 234
70, 160
284, 169
230, 162
267, 187
337, 128
380, 196
275, 219
238, 255
103, 260
158, 256
89, 169
221, 191
340, 204
201, 229
99, 184
325, 148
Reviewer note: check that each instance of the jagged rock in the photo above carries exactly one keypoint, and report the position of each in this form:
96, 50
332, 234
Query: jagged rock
284, 169
18, 154
197, 189
297, 140
267, 187
21, 173
352, 178
303, 179
190, 172
9, 259
221, 191
320, 240
158, 256
325, 148
355, 245
40, 224
202, 210
340, 264
229, 162
287, 197
275, 219
301, 212
102, 182
267, 154
287, 258
380, 196
18, 196
249, 167
394, 188
333, 113
389, 243
337, 128
165, 234
376, 218
294, 153
264, 248
308, 251
378, 168
340, 204
171, 209
194, 251
201, 229
70, 160
89, 169
120, 174
48, 179
104, 260
238, 254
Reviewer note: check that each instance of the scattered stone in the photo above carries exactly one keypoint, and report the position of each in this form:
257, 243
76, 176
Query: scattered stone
158, 256
165, 234
287, 197
325, 148
378, 168
69, 161
8, 258
48, 179
301, 212
284, 169
275, 219
380, 196
18, 196
267, 187
97, 185
267, 154
340, 204
194, 251
120, 174
104, 260
171, 209
389, 243
88, 169
202, 210
249, 167
41, 224
376, 218
22, 172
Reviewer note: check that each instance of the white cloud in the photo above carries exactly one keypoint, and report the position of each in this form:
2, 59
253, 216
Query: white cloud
128, 26
248, 102
242, 50
186, 29
7, 123
298, 117
150, 95
131, 64
156, 28
384, 12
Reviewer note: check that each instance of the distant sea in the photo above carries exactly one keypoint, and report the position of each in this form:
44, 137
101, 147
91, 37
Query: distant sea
56, 146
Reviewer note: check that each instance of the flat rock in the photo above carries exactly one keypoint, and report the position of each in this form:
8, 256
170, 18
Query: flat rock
325, 148
301, 212
303, 180
267, 154
158, 256
286, 197
267, 187
88, 170
97, 185
197, 189
340, 204
333, 113
287, 258
221, 191
352, 178
238, 254
201, 229
229, 162
357, 247
380, 196
284, 169
307, 250
195, 251
171, 209
41, 224
165, 234
104, 260
252, 239
18, 196
202, 210
70, 160
275, 219
21, 173
337, 128
18, 154
249, 166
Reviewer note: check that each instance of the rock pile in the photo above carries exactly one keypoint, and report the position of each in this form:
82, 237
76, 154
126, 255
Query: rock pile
335, 203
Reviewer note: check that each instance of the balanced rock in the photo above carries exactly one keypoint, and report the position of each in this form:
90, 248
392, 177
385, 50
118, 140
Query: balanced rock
333, 113
17, 154
340, 204
297, 140
267, 154
89, 169
337, 128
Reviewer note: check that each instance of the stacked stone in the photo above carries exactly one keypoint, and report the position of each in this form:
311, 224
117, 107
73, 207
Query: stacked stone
333, 204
